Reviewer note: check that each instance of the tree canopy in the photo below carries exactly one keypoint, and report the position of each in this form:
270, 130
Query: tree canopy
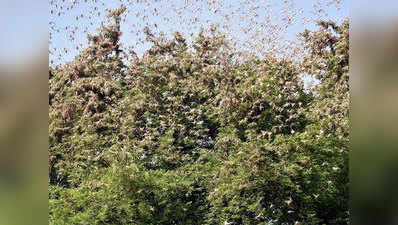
197, 134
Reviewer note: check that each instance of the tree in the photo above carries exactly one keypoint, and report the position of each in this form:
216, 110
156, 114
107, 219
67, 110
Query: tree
195, 135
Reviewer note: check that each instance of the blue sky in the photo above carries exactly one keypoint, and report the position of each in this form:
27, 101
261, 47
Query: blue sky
24, 30
60, 41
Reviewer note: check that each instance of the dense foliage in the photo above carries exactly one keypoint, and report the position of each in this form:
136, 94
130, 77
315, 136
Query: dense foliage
194, 134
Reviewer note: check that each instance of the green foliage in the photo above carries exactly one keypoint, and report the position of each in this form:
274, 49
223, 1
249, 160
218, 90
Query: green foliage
198, 136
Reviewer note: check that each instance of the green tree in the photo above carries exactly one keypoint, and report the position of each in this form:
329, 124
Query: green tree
194, 134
